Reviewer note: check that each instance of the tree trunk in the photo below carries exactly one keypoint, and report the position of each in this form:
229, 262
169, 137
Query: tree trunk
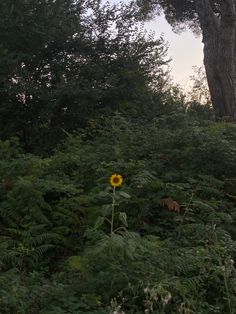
219, 34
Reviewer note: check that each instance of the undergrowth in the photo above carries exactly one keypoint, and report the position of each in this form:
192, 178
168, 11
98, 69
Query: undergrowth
173, 246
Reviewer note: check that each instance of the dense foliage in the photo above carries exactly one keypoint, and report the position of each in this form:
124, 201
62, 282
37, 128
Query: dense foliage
84, 95
177, 203
65, 62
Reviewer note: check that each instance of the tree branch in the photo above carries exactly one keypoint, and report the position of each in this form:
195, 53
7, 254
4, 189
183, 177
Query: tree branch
209, 22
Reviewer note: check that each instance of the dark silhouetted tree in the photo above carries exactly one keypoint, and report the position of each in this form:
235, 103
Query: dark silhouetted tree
63, 63
216, 20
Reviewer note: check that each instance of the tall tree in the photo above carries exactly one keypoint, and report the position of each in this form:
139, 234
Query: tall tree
216, 19
62, 62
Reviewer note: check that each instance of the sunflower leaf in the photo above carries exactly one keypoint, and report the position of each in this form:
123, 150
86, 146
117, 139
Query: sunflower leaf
103, 194
99, 222
124, 194
123, 218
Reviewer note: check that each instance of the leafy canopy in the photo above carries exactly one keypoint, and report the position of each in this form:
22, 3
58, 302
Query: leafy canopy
69, 62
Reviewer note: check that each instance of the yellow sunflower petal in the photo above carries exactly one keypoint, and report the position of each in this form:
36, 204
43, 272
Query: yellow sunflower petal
116, 180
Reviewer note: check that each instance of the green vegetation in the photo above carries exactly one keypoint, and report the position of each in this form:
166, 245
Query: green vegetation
71, 62
163, 240
177, 250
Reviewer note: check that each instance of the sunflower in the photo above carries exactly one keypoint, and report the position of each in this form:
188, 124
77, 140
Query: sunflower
116, 180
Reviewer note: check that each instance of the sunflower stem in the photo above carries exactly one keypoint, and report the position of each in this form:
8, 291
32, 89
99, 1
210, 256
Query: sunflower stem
113, 210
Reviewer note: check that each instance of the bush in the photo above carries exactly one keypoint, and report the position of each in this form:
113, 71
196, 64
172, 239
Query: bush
177, 252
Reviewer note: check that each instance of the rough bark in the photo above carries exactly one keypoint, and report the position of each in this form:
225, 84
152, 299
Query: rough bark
219, 38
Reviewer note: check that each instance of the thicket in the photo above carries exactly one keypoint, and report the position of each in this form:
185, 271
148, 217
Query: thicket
177, 251
85, 94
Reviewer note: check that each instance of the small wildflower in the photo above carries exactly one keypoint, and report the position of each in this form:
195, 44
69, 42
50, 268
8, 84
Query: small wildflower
116, 180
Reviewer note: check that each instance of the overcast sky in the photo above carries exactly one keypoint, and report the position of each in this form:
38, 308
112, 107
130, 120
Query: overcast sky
185, 50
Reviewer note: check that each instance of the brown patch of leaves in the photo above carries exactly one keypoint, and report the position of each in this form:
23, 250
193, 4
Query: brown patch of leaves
171, 204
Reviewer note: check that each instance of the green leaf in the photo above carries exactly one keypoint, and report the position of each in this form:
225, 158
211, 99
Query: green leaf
106, 209
103, 194
124, 194
123, 218
99, 222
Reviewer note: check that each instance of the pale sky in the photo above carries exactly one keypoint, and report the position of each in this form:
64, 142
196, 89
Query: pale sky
185, 50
